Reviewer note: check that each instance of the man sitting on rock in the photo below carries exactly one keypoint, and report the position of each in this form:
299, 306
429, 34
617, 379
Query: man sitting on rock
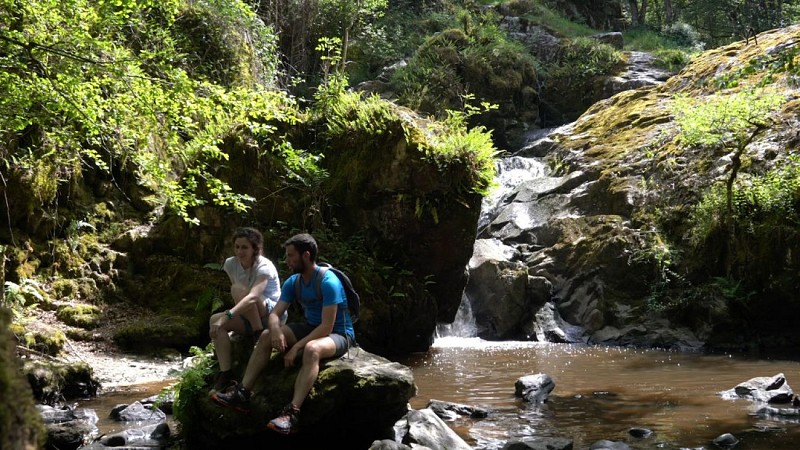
327, 332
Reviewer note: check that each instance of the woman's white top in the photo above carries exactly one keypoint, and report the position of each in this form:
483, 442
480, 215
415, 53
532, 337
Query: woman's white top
245, 278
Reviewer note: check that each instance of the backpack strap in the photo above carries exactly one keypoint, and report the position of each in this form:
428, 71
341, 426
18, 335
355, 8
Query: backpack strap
298, 286
320, 275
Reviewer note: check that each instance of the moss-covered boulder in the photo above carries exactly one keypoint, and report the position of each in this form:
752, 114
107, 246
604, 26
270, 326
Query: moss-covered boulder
20, 424
644, 249
159, 332
39, 337
394, 202
55, 381
80, 315
355, 400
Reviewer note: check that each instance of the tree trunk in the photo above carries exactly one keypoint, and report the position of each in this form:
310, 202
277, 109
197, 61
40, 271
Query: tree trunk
643, 13
345, 43
634, 12
669, 15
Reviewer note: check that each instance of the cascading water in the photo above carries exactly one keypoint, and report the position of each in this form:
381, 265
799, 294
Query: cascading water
511, 172
462, 327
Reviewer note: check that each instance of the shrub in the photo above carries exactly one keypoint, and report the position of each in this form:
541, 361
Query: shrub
671, 59
684, 35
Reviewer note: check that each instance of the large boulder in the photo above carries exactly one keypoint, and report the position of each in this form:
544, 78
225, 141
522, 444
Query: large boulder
413, 213
611, 235
356, 400
20, 424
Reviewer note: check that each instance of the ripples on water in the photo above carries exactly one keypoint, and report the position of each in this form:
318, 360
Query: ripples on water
600, 393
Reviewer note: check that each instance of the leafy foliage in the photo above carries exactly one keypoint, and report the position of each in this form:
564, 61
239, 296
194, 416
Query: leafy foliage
766, 204
723, 118
470, 55
193, 385
472, 147
75, 99
583, 58
20, 296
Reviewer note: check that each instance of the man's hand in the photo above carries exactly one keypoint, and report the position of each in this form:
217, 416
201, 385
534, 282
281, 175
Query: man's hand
278, 341
290, 356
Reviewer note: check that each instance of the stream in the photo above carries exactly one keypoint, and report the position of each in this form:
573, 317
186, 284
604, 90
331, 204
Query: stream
600, 393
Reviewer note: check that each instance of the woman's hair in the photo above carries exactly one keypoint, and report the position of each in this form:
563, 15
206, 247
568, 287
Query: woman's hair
303, 243
252, 235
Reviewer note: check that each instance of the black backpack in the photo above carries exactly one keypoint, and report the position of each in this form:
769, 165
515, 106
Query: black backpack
353, 299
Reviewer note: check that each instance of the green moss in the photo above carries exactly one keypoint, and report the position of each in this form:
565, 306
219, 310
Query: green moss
158, 332
66, 261
79, 334
20, 422
88, 290
83, 316
49, 341
54, 381
64, 287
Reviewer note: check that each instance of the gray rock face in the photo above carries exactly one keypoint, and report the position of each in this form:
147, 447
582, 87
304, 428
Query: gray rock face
772, 389
424, 429
534, 388
613, 38
136, 412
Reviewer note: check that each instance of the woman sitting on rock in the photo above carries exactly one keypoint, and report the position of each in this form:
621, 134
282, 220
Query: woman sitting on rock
255, 289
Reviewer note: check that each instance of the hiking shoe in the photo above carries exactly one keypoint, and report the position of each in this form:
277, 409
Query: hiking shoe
236, 397
287, 420
223, 381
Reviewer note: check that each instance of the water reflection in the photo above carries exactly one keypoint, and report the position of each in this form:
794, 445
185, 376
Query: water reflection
600, 393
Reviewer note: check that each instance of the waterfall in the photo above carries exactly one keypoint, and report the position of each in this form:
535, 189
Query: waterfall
463, 325
511, 171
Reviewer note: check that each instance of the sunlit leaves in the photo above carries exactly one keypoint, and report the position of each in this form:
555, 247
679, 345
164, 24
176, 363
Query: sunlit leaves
723, 118
101, 82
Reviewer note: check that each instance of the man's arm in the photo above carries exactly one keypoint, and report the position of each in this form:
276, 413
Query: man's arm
323, 329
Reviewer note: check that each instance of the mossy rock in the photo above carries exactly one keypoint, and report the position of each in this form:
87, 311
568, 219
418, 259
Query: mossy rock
82, 316
53, 381
65, 287
158, 332
20, 423
80, 334
39, 337
355, 399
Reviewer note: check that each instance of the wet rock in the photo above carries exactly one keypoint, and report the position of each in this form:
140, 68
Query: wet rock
388, 444
534, 388
155, 435
538, 443
164, 401
69, 435
424, 428
772, 389
641, 433
451, 411
726, 441
136, 412
609, 445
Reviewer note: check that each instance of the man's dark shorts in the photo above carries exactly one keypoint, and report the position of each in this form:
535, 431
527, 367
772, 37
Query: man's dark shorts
302, 330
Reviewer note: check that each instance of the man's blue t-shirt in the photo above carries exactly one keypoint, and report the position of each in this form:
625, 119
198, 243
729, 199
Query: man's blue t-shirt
332, 294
